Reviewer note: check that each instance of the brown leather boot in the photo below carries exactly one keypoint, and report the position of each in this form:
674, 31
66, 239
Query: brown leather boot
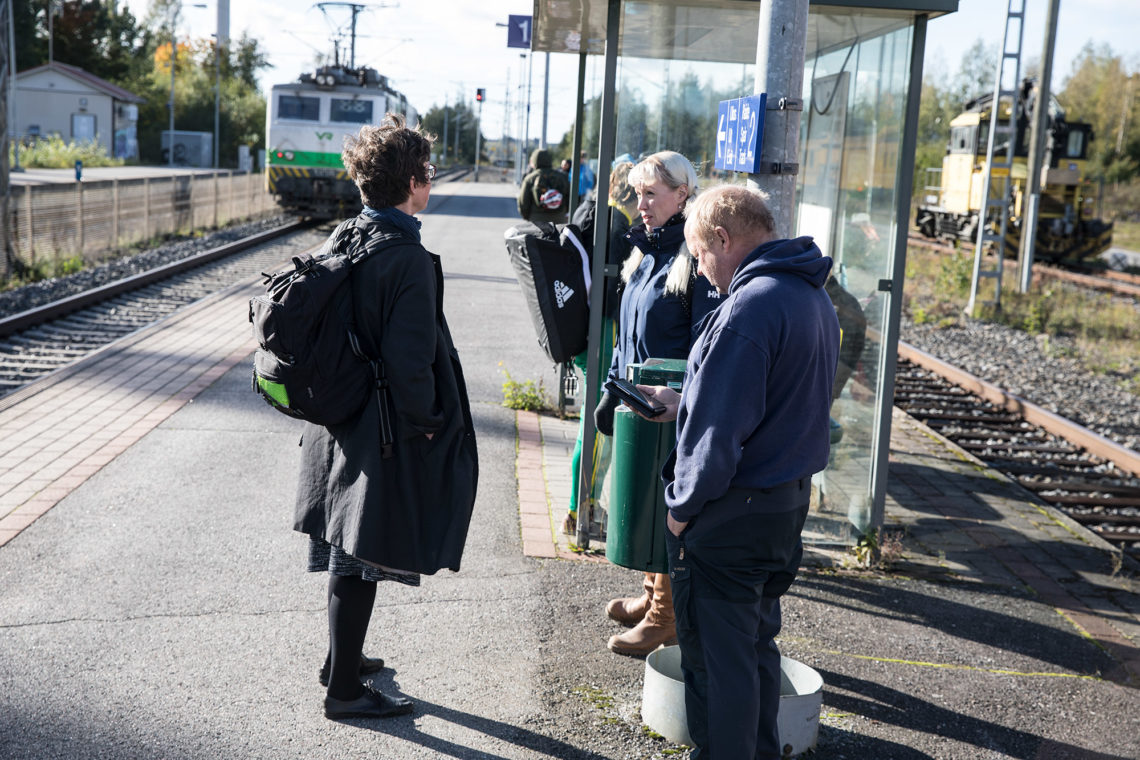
631, 609
657, 629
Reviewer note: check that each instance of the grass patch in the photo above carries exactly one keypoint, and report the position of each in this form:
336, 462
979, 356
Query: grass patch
1099, 331
54, 153
527, 395
1126, 235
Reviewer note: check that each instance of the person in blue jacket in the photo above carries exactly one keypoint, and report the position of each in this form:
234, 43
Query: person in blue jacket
663, 301
752, 428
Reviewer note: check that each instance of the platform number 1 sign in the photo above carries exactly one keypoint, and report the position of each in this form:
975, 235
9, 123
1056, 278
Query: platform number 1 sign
518, 31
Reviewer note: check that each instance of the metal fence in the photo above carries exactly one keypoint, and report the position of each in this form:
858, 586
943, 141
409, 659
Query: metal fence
91, 220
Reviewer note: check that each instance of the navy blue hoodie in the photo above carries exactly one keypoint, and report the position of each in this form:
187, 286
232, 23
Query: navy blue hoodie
754, 409
655, 324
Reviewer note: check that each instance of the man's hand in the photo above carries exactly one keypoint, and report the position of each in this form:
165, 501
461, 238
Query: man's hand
674, 527
665, 396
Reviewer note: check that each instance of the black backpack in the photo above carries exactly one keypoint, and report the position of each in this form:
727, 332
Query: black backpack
309, 363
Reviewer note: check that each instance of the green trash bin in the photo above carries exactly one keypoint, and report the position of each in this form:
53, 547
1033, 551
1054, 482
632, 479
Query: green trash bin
635, 532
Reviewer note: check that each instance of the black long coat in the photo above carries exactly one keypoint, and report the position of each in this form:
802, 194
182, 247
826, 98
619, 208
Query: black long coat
411, 511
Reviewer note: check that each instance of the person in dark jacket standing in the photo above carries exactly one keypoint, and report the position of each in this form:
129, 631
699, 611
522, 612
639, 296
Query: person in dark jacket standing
663, 302
370, 515
752, 428
545, 192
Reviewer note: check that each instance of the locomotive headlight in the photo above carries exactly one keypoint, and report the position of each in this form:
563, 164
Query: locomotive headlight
288, 155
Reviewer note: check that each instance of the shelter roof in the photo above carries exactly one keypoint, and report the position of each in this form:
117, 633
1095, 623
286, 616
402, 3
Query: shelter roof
713, 30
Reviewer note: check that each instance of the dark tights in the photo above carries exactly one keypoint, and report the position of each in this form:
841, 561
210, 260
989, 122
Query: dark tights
350, 608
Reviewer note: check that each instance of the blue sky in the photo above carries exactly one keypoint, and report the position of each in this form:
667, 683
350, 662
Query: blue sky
434, 50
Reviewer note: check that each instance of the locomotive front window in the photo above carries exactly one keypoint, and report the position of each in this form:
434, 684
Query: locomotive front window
298, 107
351, 111
1075, 146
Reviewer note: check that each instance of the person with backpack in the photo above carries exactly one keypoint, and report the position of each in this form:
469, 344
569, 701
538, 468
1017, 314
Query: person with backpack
374, 509
545, 192
623, 210
663, 302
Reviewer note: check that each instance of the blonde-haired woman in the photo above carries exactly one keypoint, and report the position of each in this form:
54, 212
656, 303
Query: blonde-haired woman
663, 301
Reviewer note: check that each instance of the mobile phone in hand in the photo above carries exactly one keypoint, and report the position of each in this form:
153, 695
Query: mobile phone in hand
633, 398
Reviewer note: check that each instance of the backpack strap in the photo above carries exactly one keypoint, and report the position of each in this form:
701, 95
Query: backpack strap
363, 247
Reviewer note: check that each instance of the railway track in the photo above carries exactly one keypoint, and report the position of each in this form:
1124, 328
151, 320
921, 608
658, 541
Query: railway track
1093, 480
40, 341
1120, 283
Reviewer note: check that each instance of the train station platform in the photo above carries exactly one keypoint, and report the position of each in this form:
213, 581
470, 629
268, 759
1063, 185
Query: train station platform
154, 601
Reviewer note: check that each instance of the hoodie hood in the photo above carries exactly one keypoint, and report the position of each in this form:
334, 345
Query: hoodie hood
800, 257
540, 159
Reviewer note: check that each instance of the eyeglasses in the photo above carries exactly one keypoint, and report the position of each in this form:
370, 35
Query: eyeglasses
431, 172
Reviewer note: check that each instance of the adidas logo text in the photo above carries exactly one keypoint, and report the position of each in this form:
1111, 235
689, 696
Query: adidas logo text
562, 293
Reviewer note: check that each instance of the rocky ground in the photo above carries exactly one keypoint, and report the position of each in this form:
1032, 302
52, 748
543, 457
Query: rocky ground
1037, 369
45, 291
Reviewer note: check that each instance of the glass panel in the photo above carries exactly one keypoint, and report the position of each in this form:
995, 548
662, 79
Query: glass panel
351, 111
668, 89
854, 107
298, 107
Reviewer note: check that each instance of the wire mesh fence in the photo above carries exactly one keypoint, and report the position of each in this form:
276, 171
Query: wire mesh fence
92, 221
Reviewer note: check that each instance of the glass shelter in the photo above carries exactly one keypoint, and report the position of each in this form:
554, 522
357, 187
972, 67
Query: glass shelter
668, 65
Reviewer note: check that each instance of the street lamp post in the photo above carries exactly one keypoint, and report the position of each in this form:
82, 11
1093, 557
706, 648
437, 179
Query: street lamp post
173, 60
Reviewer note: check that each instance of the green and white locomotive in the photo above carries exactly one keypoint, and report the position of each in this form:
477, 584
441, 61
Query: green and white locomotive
305, 125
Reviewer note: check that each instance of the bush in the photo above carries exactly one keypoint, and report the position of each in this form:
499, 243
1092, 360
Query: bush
527, 395
54, 153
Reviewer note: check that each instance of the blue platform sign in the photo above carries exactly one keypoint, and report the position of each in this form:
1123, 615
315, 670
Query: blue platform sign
750, 132
721, 134
518, 31
740, 133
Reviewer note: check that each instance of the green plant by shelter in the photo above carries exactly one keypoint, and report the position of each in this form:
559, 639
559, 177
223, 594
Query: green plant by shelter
527, 395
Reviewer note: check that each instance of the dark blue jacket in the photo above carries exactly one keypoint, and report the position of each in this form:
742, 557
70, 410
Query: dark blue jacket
754, 408
653, 324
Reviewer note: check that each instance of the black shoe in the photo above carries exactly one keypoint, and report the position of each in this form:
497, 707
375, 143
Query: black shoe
368, 666
371, 704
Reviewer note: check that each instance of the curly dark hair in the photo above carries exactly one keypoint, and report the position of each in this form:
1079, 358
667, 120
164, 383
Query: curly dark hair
383, 159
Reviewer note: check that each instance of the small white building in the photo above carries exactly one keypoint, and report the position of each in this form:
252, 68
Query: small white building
60, 99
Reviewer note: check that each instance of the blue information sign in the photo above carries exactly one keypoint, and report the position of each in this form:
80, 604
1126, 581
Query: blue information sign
721, 134
740, 133
518, 31
750, 132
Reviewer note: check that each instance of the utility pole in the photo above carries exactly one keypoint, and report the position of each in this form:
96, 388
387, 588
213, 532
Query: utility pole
6, 75
529, 73
446, 118
1040, 130
545, 100
173, 56
11, 130
480, 94
781, 41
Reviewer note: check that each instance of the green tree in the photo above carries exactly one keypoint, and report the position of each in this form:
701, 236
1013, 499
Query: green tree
465, 116
1102, 91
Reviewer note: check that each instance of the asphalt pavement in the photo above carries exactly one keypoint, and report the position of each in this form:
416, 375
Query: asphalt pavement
160, 608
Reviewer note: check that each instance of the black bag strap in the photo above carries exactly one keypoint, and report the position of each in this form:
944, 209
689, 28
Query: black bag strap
366, 247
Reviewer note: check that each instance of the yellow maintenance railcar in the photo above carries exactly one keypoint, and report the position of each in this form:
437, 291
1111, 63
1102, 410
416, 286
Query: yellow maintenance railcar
1066, 227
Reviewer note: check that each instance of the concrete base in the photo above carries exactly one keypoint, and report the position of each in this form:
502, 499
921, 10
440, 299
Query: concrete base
663, 701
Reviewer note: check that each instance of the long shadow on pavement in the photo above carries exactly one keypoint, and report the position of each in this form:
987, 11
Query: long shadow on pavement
963, 620
505, 732
888, 705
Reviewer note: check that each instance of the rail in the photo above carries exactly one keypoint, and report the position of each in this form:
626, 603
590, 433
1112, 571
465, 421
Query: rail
57, 309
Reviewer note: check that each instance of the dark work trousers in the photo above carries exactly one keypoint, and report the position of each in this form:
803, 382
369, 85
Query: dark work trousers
729, 568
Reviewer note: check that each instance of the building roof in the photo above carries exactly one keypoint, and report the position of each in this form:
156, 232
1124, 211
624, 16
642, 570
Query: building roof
87, 78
